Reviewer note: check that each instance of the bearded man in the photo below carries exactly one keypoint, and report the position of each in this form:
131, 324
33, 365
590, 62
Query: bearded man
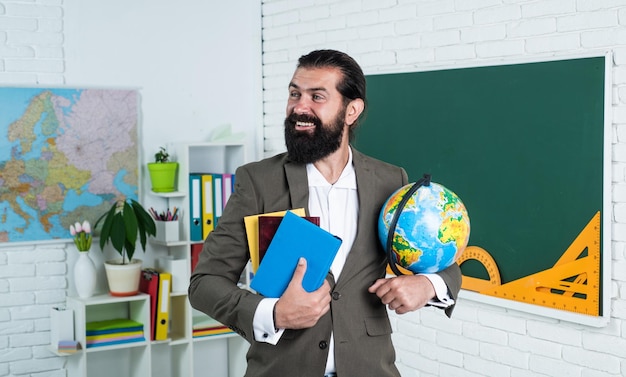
341, 329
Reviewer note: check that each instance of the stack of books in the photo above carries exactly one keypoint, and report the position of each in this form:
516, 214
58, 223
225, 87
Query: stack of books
277, 238
68, 346
113, 331
207, 326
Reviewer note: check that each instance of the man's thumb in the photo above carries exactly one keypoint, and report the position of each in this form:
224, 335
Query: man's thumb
298, 274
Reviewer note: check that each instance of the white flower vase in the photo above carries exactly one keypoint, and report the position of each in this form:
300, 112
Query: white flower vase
84, 275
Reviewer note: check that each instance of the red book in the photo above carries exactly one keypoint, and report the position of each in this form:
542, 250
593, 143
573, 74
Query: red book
267, 228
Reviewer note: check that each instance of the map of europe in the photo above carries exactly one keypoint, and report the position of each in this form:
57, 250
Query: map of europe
65, 156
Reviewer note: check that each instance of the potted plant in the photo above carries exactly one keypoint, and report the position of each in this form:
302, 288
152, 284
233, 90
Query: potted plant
126, 220
163, 172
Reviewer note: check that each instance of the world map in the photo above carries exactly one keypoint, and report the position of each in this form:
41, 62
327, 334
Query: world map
65, 156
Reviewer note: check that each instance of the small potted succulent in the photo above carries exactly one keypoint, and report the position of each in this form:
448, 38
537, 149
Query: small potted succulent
123, 223
163, 172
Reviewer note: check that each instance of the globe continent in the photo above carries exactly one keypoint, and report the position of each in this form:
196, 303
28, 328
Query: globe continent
432, 230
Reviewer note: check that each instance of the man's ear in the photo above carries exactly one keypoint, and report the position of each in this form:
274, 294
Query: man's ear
354, 110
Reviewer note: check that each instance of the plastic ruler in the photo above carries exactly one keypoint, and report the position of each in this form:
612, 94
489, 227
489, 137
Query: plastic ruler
572, 284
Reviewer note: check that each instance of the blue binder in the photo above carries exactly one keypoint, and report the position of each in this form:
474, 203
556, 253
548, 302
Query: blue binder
295, 237
195, 210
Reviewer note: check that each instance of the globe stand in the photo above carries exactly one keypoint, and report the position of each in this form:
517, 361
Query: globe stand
424, 181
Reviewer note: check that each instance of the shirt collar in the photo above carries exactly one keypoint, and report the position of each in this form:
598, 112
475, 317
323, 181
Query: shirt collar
347, 179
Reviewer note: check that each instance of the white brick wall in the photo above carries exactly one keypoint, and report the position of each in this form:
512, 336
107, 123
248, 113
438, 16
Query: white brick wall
32, 277
480, 340
31, 42
32, 280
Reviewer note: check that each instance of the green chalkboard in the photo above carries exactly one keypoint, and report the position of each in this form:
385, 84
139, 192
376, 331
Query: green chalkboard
520, 144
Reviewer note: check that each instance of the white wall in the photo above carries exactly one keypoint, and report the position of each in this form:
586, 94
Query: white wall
405, 35
197, 66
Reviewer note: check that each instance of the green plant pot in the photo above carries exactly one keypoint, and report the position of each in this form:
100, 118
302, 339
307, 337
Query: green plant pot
163, 176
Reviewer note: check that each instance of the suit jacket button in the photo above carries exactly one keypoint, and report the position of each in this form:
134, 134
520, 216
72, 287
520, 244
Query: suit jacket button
323, 344
336, 295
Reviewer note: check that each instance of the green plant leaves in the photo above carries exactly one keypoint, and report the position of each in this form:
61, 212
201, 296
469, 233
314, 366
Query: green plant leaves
122, 224
129, 222
145, 223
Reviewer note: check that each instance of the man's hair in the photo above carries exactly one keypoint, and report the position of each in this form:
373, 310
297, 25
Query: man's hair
352, 84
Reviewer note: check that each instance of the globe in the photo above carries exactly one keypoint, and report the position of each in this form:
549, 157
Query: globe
432, 228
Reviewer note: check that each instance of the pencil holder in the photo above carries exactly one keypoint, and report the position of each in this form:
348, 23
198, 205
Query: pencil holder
167, 231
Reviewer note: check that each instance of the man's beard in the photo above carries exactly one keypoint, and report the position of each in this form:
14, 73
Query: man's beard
305, 147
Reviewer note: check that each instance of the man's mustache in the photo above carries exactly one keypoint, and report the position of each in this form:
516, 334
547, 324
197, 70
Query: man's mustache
293, 118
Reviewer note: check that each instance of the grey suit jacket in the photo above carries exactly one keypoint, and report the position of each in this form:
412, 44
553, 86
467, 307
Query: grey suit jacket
357, 318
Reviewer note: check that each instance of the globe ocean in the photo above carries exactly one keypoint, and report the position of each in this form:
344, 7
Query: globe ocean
432, 230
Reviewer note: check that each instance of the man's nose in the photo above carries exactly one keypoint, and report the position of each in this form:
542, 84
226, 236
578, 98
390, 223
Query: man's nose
302, 107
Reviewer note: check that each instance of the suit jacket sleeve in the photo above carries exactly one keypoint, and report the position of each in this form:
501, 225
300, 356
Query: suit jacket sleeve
213, 287
452, 277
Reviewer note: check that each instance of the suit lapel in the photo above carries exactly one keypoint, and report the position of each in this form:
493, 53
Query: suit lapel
298, 185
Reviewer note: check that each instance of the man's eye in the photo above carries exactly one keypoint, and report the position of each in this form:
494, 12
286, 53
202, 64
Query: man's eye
317, 97
294, 94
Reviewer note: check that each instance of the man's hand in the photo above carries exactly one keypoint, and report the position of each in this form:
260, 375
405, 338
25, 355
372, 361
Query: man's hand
404, 293
297, 308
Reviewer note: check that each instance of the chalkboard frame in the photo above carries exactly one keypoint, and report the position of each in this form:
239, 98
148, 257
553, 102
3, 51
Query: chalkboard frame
604, 163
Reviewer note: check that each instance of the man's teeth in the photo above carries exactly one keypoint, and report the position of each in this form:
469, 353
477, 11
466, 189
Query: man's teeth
305, 124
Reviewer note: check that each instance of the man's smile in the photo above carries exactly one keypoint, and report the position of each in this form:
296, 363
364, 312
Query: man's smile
303, 126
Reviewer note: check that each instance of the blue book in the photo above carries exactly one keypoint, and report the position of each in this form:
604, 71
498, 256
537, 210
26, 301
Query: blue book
112, 343
295, 237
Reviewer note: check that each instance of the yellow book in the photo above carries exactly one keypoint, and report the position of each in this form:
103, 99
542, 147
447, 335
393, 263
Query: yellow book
252, 232
199, 333
124, 334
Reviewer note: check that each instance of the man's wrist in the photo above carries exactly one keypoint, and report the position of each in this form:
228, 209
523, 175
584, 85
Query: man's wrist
442, 296
263, 323
274, 317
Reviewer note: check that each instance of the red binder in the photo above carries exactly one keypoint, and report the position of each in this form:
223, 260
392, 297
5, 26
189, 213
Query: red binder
196, 249
149, 283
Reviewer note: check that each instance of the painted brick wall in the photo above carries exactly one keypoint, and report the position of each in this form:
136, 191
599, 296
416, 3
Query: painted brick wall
32, 277
31, 42
387, 35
